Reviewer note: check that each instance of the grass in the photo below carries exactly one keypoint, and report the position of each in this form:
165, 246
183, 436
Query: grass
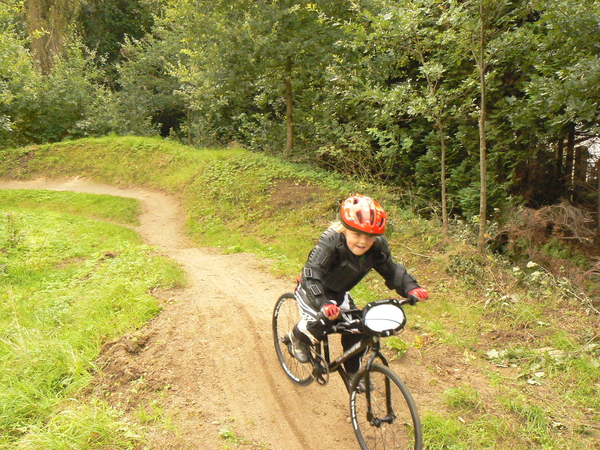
71, 279
500, 321
102, 207
463, 398
456, 433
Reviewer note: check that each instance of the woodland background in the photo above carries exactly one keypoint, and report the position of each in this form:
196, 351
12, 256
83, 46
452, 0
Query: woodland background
478, 110
480, 116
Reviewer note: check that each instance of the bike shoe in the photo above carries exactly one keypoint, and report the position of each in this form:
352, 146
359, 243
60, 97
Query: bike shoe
297, 348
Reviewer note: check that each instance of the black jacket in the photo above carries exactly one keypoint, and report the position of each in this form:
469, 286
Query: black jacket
332, 269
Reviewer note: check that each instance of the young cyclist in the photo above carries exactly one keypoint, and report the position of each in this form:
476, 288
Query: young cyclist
344, 254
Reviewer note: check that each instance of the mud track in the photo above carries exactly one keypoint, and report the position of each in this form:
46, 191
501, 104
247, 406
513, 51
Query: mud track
206, 365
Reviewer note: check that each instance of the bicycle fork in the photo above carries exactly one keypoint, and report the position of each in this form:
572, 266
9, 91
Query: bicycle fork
391, 416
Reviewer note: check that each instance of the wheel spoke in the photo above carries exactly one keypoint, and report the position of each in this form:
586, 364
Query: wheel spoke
392, 421
285, 316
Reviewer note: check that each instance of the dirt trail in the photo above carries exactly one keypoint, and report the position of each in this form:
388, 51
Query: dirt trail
207, 362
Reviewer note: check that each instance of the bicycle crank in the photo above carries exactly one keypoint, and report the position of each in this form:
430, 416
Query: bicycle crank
320, 369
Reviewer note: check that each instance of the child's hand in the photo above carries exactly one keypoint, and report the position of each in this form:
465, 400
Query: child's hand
331, 311
420, 293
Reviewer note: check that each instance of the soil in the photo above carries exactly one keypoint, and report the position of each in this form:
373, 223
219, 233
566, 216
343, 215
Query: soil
204, 374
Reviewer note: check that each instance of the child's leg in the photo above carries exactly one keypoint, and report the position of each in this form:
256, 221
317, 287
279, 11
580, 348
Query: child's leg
309, 330
348, 340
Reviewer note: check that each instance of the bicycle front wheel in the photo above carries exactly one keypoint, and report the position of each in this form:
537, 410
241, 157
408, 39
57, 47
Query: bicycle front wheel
285, 316
384, 414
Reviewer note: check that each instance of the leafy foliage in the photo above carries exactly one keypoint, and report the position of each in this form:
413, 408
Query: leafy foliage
384, 90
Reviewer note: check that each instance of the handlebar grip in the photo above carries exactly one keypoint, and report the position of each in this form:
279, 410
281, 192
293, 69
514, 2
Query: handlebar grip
411, 300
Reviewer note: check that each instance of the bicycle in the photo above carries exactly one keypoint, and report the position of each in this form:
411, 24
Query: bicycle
382, 410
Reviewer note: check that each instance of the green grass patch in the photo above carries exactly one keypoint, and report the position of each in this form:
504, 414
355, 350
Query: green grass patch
444, 432
463, 398
68, 283
123, 211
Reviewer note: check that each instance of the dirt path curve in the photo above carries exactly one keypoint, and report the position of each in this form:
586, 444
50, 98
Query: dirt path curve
206, 364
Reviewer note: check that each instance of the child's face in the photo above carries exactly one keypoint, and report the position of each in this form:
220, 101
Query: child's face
358, 243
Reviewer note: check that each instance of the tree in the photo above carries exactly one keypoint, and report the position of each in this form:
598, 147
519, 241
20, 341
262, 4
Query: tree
17, 79
214, 68
48, 26
147, 96
485, 28
248, 65
598, 196
292, 46
105, 26
482, 67
412, 27
563, 90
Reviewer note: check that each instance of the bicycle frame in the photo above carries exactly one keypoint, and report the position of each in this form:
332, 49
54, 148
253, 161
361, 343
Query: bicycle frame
372, 342
382, 409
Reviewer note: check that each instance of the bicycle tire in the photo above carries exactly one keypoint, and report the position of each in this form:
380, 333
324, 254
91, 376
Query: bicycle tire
398, 429
285, 316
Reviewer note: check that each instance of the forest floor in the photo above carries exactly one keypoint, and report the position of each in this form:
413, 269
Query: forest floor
204, 374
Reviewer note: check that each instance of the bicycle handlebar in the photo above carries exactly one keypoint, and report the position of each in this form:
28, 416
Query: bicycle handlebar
410, 300
351, 319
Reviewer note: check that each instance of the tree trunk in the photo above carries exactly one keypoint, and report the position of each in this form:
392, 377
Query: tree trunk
289, 105
598, 205
482, 137
48, 22
560, 151
568, 173
440, 128
189, 126
439, 125
39, 34
581, 159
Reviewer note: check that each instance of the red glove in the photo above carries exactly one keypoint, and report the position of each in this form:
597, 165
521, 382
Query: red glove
330, 309
420, 293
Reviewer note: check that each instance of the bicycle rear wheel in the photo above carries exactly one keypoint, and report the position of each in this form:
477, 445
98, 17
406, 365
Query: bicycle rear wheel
392, 421
285, 316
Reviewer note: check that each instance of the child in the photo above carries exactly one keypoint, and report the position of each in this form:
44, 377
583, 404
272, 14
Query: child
344, 254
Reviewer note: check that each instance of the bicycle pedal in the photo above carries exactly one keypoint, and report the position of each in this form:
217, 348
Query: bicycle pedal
322, 380
320, 371
321, 374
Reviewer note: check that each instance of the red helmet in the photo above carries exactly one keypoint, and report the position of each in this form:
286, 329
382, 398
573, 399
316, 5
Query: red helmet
363, 214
